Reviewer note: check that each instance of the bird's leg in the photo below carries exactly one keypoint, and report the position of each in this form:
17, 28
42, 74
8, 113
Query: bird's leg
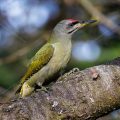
45, 89
41, 88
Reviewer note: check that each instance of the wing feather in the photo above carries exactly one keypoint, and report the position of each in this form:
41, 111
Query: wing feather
40, 59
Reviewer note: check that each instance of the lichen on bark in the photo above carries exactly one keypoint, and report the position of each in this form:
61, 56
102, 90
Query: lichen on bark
77, 95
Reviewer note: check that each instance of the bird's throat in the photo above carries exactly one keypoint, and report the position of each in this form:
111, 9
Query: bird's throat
61, 38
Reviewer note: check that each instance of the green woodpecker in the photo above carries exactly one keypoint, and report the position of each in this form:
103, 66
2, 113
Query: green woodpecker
52, 57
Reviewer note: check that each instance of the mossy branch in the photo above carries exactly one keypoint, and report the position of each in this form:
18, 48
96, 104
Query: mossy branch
77, 95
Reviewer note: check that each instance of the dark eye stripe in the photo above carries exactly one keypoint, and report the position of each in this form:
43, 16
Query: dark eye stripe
73, 23
71, 31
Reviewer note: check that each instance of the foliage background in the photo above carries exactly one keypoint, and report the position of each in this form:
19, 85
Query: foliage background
25, 25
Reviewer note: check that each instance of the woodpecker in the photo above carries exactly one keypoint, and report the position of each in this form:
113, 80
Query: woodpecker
52, 57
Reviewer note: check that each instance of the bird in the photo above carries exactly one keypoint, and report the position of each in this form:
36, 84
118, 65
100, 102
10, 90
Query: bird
52, 57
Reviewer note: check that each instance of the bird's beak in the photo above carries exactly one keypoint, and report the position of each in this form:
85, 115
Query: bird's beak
88, 22
84, 23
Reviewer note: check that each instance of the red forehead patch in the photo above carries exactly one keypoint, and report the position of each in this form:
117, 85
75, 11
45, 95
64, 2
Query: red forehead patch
72, 20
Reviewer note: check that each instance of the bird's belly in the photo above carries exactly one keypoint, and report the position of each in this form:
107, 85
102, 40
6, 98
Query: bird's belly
59, 60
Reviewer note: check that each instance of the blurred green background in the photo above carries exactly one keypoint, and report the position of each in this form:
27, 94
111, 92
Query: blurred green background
25, 25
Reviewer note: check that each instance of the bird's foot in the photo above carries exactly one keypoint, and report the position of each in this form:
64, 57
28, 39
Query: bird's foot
45, 89
42, 88
74, 70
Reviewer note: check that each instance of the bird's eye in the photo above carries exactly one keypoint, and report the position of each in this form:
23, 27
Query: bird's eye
70, 25
73, 23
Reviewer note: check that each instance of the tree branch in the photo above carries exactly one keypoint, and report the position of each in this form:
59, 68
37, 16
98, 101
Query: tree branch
77, 95
98, 15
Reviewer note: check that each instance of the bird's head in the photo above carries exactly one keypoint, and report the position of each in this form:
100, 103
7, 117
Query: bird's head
67, 27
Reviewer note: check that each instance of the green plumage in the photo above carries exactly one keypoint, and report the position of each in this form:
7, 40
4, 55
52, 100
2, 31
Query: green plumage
52, 57
40, 59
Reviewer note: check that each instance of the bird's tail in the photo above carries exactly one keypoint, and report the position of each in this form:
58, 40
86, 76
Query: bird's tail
18, 89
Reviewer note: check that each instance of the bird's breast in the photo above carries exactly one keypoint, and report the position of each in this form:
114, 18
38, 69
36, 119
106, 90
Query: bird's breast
58, 61
60, 57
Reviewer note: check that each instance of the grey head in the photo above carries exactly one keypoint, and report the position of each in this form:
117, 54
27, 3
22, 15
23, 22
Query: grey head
66, 28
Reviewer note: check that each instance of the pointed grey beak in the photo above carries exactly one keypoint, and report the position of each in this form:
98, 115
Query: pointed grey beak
84, 23
88, 21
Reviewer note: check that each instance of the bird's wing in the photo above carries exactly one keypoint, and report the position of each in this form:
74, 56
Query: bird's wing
40, 59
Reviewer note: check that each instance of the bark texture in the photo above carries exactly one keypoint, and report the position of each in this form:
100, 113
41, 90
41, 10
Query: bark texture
77, 95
